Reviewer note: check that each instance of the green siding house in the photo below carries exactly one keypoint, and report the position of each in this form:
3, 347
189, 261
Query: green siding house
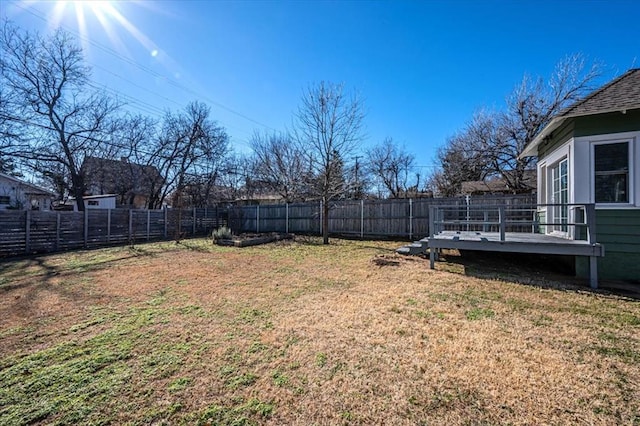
590, 153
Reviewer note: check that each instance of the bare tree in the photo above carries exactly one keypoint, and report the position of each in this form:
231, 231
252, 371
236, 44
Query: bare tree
391, 166
190, 145
237, 178
124, 168
9, 134
63, 120
531, 107
328, 127
459, 162
280, 165
490, 143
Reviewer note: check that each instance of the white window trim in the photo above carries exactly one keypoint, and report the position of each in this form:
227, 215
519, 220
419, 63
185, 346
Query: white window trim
548, 163
565, 151
631, 138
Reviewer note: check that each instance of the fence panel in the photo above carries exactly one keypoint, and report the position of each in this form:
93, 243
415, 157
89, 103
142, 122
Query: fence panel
386, 218
71, 230
345, 217
304, 218
42, 231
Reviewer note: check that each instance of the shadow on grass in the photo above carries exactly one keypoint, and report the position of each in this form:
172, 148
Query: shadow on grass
192, 245
555, 272
25, 280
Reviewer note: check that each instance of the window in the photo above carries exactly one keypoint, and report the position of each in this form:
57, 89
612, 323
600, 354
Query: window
560, 195
93, 203
4, 199
611, 166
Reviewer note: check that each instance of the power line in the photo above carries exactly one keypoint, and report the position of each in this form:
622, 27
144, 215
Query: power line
86, 138
114, 53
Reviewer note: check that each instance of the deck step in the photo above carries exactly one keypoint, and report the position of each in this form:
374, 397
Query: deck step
415, 248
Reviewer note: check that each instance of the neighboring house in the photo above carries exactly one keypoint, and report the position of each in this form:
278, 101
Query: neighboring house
106, 201
590, 153
262, 198
498, 185
195, 195
132, 183
18, 194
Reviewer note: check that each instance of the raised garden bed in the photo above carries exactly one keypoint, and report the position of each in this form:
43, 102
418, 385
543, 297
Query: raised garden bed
246, 240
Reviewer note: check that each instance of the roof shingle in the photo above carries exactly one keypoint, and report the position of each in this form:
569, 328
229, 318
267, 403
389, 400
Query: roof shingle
621, 93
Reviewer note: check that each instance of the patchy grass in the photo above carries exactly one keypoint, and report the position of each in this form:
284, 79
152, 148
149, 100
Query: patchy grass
301, 333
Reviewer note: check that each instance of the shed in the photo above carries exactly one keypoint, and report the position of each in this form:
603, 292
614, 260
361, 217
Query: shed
106, 201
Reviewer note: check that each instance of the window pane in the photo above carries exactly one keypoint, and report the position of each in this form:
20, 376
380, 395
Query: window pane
610, 157
612, 188
612, 173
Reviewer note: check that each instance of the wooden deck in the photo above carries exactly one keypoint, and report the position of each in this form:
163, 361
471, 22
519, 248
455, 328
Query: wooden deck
444, 218
517, 242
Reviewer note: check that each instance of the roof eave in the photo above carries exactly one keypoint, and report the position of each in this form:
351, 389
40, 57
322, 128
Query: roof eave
531, 150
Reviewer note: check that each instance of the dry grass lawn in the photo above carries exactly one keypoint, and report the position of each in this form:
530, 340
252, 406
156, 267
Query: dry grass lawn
300, 333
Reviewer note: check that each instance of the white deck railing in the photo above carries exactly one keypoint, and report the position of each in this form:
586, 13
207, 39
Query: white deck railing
578, 222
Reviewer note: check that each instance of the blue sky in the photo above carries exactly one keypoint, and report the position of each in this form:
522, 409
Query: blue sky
421, 67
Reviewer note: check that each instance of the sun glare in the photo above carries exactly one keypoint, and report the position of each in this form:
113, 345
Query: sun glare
88, 13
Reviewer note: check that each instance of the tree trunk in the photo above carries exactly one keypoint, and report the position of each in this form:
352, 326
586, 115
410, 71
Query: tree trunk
78, 190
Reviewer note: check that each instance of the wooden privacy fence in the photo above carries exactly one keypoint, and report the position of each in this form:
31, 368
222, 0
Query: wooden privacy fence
26, 231
401, 218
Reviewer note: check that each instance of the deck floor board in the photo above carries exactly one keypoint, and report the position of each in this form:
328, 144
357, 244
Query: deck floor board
517, 242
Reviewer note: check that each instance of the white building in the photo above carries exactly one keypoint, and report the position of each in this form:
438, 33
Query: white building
20, 195
106, 201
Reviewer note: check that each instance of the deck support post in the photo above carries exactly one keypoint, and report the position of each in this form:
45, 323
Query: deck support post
432, 258
501, 220
593, 272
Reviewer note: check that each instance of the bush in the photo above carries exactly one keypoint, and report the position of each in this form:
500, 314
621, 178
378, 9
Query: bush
222, 233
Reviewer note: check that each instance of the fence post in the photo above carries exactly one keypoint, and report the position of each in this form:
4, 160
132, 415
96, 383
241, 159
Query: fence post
148, 223
286, 225
431, 221
165, 223
410, 218
57, 231
320, 216
194, 221
130, 225
362, 219
501, 219
27, 232
108, 225
86, 227
258, 219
